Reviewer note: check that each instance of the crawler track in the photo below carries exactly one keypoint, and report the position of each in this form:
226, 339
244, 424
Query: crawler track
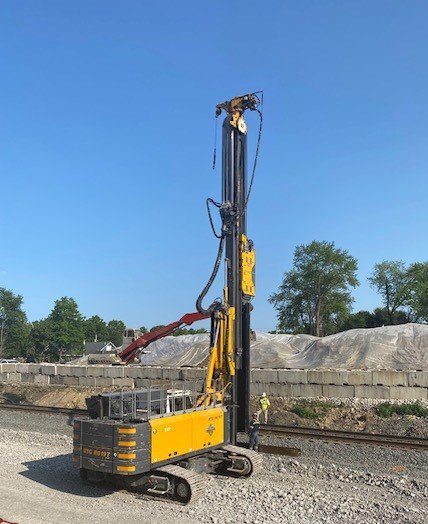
252, 456
349, 437
195, 482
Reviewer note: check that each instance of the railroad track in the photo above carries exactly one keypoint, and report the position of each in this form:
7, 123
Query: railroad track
350, 437
44, 409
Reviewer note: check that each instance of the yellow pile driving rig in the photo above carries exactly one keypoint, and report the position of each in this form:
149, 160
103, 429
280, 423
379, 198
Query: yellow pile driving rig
158, 440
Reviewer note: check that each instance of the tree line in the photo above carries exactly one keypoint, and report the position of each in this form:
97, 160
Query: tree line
315, 294
315, 297
63, 332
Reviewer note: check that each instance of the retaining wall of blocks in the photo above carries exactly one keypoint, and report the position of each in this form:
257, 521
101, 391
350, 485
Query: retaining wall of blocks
334, 383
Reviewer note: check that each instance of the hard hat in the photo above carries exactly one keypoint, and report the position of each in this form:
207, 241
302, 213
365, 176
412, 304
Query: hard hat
255, 415
263, 394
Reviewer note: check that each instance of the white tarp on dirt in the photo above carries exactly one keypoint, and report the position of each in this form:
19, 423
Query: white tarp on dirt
390, 347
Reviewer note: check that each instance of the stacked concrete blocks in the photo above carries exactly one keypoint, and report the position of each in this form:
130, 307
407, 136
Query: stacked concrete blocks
334, 383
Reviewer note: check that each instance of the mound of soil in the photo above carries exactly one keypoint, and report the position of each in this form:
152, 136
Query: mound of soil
340, 416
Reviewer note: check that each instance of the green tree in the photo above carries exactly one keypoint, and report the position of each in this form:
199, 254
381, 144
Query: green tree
42, 347
68, 327
360, 319
418, 281
115, 330
14, 328
376, 318
314, 295
391, 281
143, 329
180, 331
96, 330
188, 331
155, 328
381, 317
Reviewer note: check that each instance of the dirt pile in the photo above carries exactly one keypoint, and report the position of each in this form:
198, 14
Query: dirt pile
356, 416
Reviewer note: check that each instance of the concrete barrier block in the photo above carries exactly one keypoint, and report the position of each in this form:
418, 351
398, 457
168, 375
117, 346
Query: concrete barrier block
151, 373
78, 371
63, 370
48, 369
123, 382
42, 380
384, 377
56, 380
408, 393
257, 388
142, 383
278, 390
95, 371
327, 376
3, 377
22, 368
193, 373
292, 376
14, 377
87, 381
418, 378
357, 377
8, 368
338, 391
28, 378
113, 372
70, 381
103, 382
34, 368
306, 390
261, 387
133, 372
372, 392
172, 374
194, 385
264, 375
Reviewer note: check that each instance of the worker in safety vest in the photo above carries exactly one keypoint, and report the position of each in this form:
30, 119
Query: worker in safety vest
264, 406
254, 432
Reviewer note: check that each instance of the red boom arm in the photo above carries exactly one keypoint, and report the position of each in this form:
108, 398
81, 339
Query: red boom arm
130, 352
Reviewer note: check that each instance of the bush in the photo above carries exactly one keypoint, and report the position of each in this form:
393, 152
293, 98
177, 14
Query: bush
412, 409
305, 412
312, 410
386, 410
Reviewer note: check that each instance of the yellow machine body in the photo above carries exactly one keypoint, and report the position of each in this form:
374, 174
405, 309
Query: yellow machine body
133, 448
186, 433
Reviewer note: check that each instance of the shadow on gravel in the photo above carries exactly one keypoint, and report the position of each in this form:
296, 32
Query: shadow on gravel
59, 474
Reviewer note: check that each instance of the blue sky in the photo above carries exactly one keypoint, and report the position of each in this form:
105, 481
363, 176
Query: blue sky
106, 139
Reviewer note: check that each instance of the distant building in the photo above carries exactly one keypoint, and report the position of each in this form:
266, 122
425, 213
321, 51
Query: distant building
92, 348
129, 335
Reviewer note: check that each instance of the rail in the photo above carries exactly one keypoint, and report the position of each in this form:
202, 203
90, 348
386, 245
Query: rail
44, 409
347, 437
351, 437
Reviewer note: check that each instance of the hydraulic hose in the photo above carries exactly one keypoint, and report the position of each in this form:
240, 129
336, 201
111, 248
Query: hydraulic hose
216, 303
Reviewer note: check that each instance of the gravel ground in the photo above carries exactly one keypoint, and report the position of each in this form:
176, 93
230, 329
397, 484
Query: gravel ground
329, 483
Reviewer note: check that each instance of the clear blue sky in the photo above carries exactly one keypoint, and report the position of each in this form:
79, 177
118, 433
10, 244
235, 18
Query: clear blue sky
106, 138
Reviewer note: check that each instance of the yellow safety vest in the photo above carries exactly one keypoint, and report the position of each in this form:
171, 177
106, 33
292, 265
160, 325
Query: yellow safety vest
264, 403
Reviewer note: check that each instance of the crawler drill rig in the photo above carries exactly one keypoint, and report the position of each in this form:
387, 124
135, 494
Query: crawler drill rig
130, 438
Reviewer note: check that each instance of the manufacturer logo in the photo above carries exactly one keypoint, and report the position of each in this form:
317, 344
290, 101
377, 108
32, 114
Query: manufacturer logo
210, 429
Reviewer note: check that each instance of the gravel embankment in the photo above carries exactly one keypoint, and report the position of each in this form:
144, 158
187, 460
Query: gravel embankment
329, 483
